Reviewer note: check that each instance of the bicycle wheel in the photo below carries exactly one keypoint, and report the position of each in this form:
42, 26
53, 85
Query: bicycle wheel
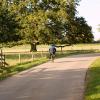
52, 57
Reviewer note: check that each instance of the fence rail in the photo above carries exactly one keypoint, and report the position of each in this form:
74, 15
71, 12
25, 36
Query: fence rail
13, 58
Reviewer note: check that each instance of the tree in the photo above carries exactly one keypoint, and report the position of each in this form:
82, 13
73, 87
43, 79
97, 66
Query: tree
44, 21
78, 31
8, 25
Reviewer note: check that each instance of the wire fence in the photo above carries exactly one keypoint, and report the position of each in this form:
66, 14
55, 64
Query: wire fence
15, 58
19, 56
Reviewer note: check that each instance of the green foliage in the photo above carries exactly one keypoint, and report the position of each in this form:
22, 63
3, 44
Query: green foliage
79, 31
8, 26
44, 22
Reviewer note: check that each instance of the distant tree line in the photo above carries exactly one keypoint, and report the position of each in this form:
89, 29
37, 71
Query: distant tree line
43, 22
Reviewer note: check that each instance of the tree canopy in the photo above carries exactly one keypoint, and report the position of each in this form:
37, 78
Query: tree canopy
79, 31
8, 25
46, 21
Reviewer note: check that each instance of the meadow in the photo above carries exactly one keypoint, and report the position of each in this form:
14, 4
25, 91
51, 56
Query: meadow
20, 58
21, 53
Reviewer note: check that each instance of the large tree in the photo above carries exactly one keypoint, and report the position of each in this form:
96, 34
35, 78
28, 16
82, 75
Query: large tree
43, 20
83, 31
8, 25
49, 21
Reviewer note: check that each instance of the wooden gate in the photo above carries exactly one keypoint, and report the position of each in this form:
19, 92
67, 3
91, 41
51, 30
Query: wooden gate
2, 59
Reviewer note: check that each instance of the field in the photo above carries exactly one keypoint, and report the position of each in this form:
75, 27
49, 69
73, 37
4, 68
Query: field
26, 48
20, 58
21, 53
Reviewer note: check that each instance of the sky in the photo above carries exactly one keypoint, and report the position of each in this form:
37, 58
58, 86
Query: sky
90, 10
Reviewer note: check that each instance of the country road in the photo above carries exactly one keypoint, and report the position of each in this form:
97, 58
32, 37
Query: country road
61, 80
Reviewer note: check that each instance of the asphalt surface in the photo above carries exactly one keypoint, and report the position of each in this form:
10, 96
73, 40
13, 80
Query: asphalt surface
62, 80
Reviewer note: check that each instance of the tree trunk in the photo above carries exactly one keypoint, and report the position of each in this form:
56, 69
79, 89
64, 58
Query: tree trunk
33, 47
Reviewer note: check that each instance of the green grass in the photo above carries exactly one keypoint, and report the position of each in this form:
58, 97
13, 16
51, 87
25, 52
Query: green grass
93, 82
12, 55
73, 52
21, 67
13, 58
17, 67
27, 65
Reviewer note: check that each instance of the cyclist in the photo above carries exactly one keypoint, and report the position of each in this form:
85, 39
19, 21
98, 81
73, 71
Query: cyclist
52, 51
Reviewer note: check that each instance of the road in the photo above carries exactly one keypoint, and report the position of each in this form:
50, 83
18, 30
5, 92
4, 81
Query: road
62, 80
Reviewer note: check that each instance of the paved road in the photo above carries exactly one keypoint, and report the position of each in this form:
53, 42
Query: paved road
61, 80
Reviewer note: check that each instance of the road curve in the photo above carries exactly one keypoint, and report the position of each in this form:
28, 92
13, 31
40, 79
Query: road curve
61, 80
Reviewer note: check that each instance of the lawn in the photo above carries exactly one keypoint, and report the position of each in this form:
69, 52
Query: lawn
93, 82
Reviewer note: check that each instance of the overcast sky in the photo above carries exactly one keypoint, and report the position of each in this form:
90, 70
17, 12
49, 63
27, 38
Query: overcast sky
90, 10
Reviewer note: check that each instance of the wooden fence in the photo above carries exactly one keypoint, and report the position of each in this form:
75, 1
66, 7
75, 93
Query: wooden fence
13, 58
2, 59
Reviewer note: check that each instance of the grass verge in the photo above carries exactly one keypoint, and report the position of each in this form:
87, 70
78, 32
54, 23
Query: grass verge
21, 67
93, 82
37, 61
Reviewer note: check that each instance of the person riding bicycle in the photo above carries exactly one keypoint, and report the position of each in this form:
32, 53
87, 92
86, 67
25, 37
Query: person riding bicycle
52, 51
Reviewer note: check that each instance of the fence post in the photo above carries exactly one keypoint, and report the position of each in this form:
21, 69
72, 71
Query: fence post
32, 56
41, 54
1, 59
4, 61
61, 50
19, 58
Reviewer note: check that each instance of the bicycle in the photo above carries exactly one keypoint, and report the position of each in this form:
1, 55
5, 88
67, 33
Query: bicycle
52, 57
